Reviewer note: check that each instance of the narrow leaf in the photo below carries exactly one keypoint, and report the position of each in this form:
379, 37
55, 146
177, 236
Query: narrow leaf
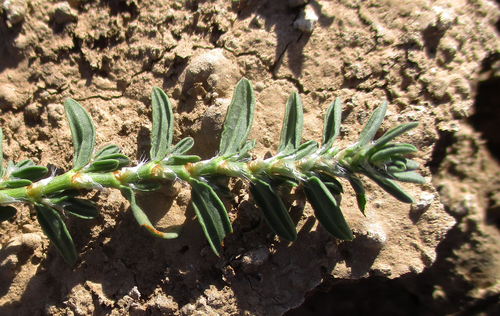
181, 159
7, 212
107, 151
332, 183
358, 187
372, 125
239, 119
391, 187
31, 173
82, 130
408, 176
81, 208
411, 165
393, 133
183, 146
122, 159
54, 227
12, 184
306, 149
211, 214
103, 165
291, 132
163, 125
273, 210
326, 209
392, 150
142, 219
243, 152
146, 186
331, 128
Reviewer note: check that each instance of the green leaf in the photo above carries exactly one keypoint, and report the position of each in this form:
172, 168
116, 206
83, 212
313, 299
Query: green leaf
82, 131
146, 186
392, 150
372, 125
103, 166
305, 149
183, 146
142, 219
243, 152
81, 208
31, 173
12, 184
163, 125
333, 120
107, 151
291, 132
59, 197
211, 214
358, 187
391, 187
54, 227
393, 133
239, 119
411, 165
7, 212
273, 210
326, 209
408, 176
332, 183
181, 159
123, 160
24, 163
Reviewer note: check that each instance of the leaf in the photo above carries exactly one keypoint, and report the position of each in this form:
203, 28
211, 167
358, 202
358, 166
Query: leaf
81, 208
59, 197
273, 210
238, 120
393, 133
408, 176
391, 187
326, 209
54, 227
372, 125
183, 146
163, 125
103, 165
333, 120
142, 219
243, 152
12, 184
291, 132
358, 187
82, 130
392, 150
211, 214
306, 149
411, 165
123, 160
332, 183
31, 173
24, 163
146, 186
107, 151
7, 212
181, 159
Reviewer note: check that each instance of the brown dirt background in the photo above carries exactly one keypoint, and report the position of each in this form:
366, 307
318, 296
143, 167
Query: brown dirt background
435, 61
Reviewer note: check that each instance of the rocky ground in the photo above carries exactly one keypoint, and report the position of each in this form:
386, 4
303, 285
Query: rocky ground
436, 62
